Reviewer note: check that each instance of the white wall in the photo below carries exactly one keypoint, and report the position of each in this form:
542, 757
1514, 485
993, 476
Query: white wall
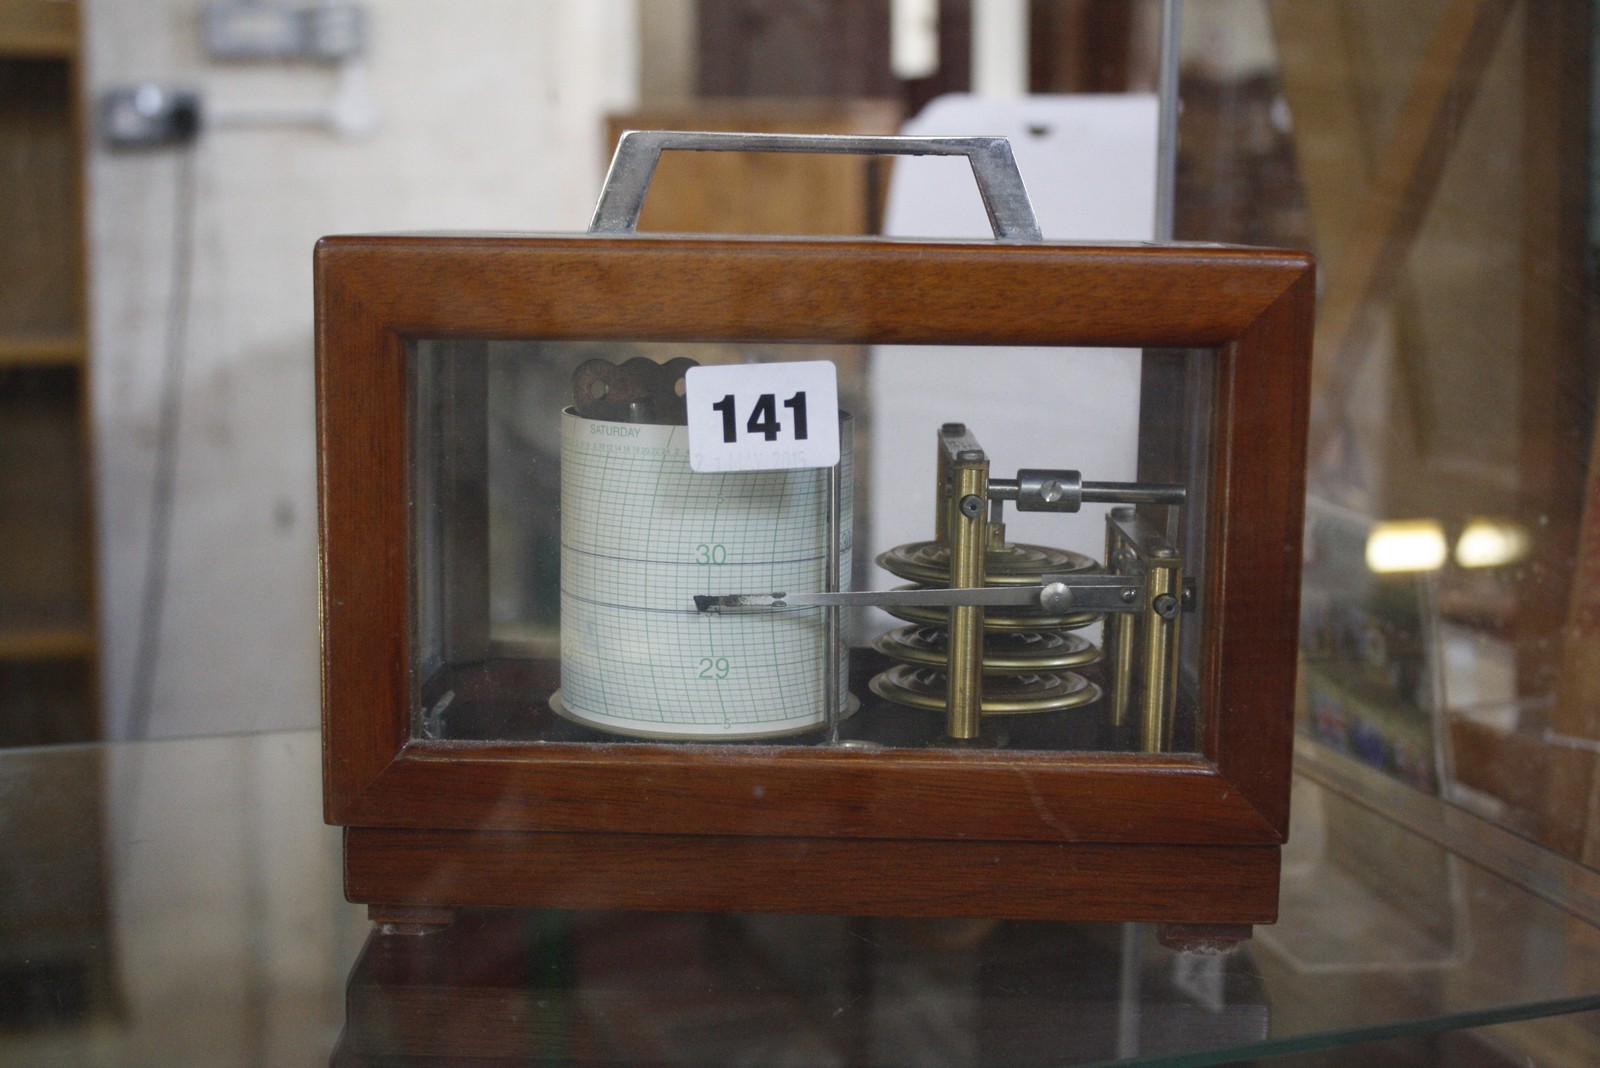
492, 118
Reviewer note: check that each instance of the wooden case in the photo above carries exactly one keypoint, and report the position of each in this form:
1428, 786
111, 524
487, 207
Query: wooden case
1173, 838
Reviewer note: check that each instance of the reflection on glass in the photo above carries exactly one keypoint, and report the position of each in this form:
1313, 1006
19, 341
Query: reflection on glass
1406, 545
1492, 543
575, 580
1434, 947
1436, 156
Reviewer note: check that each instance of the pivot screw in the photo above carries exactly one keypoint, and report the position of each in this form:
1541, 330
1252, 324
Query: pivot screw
1056, 597
972, 506
1165, 605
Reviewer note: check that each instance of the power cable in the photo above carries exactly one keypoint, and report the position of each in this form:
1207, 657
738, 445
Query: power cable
158, 548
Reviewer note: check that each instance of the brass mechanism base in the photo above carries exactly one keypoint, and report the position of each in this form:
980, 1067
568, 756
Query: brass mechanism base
1007, 695
1019, 619
1005, 564
972, 661
1004, 652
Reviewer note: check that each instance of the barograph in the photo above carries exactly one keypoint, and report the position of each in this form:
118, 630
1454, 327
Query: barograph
847, 575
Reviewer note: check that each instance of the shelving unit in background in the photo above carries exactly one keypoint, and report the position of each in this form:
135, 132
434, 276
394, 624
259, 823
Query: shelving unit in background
49, 648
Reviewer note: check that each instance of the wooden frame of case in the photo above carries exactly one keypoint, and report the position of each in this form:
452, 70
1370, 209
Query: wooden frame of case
1175, 838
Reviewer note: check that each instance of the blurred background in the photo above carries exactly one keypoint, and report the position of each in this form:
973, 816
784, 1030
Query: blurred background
167, 165
165, 168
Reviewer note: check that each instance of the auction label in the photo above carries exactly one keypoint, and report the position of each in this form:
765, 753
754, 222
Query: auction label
763, 416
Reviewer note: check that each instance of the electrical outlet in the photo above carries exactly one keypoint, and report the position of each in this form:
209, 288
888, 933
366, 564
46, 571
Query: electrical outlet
149, 116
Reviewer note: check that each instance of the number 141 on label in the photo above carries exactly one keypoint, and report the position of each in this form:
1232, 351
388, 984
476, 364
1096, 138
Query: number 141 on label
763, 416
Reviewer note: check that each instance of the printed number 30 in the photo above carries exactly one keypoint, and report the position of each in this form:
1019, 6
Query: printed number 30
763, 417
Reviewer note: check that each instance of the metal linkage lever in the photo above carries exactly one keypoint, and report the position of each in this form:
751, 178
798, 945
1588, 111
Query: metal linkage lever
1043, 490
934, 598
1055, 594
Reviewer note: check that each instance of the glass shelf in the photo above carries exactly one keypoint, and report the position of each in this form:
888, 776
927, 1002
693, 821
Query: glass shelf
209, 928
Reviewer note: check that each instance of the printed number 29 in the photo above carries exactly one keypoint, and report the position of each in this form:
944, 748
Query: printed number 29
714, 667
763, 417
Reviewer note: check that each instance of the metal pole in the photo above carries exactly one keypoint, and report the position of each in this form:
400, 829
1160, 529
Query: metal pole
830, 614
1167, 133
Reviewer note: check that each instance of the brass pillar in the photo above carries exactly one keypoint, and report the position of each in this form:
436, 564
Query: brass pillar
967, 521
1117, 636
1162, 610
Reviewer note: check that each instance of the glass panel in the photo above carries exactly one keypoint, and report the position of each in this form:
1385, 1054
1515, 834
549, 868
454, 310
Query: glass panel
1438, 157
561, 540
1383, 935
120, 954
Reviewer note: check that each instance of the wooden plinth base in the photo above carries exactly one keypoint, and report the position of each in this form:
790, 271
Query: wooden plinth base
410, 919
1203, 937
396, 870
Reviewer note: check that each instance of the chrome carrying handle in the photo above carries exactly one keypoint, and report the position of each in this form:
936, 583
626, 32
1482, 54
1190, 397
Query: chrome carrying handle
993, 167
